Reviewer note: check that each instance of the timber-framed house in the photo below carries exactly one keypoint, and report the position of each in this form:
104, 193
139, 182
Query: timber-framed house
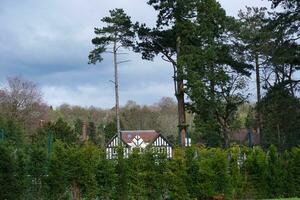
141, 140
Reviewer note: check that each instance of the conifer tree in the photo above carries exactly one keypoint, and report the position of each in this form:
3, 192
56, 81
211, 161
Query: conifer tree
167, 39
280, 117
106, 177
122, 173
56, 179
119, 34
254, 39
215, 72
78, 124
92, 133
37, 168
8, 176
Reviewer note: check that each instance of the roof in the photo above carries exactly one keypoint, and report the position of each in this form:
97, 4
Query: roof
241, 136
139, 137
148, 136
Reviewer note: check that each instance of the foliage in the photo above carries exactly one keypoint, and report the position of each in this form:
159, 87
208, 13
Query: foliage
36, 168
207, 175
176, 175
11, 131
60, 129
56, 180
215, 73
161, 116
11, 174
78, 125
93, 134
292, 167
82, 171
108, 130
106, 177
119, 29
238, 180
280, 118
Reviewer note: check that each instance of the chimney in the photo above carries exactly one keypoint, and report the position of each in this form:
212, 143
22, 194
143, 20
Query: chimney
42, 123
84, 132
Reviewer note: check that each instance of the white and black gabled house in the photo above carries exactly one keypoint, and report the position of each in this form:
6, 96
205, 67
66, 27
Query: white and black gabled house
141, 140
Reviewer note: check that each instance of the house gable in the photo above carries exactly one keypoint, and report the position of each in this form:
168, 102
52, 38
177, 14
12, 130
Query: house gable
112, 148
161, 145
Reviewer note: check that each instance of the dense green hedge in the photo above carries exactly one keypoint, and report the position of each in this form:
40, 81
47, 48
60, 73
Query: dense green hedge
193, 173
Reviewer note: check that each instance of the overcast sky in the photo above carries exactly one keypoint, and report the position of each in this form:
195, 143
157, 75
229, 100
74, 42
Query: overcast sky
48, 42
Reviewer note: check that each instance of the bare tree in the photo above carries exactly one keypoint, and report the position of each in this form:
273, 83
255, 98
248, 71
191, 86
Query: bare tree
21, 101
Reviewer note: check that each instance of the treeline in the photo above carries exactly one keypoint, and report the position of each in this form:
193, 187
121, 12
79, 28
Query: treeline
81, 171
214, 55
21, 102
161, 116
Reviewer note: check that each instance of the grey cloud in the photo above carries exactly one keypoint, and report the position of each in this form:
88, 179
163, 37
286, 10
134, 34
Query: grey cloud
103, 96
48, 41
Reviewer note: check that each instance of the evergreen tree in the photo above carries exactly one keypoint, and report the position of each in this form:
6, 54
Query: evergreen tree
294, 172
153, 172
287, 19
78, 124
193, 179
215, 72
36, 168
276, 174
176, 176
118, 33
237, 172
136, 188
122, 173
284, 54
10, 185
212, 179
106, 177
256, 167
93, 133
280, 118
81, 177
167, 39
63, 131
255, 39
57, 173
109, 130
12, 132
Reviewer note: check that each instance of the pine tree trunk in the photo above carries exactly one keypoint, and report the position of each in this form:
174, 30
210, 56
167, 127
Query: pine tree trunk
226, 134
258, 115
75, 191
117, 89
181, 113
180, 98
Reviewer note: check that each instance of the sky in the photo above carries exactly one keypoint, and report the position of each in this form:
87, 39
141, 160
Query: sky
48, 42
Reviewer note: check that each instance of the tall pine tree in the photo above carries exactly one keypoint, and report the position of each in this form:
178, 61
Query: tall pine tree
119, 34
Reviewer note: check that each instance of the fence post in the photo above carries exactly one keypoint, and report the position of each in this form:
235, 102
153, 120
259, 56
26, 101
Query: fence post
50, 143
